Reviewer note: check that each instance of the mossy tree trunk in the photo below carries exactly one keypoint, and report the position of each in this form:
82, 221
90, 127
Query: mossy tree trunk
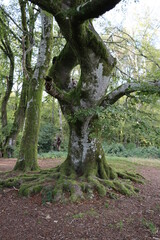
85, 154
27, 159
84, 47
5, 46
10, 140
85, 166
26, 44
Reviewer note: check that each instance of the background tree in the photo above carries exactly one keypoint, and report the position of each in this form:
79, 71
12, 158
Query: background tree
19, 47
6, 48
27, 159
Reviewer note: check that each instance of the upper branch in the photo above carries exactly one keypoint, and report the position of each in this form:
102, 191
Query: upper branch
125, 89
93, 9
47, 5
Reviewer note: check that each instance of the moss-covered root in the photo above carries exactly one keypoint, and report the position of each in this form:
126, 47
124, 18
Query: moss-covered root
67, 188
31, 183
54, 185
134, 177
103, 186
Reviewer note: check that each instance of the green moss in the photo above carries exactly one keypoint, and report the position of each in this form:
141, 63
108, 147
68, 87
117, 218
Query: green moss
47, 194
109, 183
79, 215
100, 49
120, 187
29, 178
106, 205
98, 186
25, 190
10, 182
133, 177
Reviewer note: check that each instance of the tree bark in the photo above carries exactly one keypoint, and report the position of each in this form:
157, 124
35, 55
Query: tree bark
8, 51
10, 141
85, 153
27, 159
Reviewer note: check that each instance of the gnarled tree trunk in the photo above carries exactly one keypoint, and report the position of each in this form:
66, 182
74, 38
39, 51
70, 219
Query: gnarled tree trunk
85, 154
85, 167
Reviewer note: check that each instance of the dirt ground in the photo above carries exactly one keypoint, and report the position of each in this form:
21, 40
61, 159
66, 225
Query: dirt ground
124, 218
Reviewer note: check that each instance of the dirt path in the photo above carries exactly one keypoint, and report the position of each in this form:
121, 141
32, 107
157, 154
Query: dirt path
135, 218
7, 164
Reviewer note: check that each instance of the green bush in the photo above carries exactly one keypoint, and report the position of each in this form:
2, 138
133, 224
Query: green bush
131, 150
46, 137
116, 149
53, 154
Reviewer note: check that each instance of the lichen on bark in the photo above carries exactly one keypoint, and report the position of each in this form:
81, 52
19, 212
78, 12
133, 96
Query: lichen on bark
27, 159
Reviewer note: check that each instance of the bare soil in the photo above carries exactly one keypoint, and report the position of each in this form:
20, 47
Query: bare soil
124, 218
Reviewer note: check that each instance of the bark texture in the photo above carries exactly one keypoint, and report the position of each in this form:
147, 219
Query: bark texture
6, 48
27, 159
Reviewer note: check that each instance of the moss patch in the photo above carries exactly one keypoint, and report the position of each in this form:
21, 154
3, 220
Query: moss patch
63, 184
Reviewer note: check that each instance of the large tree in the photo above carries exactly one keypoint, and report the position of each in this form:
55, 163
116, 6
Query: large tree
79, 105
85, 167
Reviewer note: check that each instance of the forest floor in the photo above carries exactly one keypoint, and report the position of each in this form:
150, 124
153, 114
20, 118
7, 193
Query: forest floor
124, 218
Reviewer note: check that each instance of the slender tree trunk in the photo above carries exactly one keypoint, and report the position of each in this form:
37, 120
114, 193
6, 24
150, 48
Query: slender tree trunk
27, 159
18, 123
8, 90
8, 51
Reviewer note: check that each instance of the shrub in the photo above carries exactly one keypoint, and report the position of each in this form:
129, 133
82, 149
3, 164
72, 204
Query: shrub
131, 150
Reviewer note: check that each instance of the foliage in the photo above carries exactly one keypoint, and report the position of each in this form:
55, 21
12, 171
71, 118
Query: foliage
131, 150
46, 137
132, 121
53, 154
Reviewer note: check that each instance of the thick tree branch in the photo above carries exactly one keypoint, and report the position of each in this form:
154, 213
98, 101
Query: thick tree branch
93, 9
54, 91
87, 10
62, 67
47, 5
125, 89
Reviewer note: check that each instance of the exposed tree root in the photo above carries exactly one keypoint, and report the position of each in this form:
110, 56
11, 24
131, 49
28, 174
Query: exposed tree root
56, 185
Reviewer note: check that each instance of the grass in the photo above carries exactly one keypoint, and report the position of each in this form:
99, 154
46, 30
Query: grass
90, 212
79, 215
131, 164
106, 205
119, 225
149, 225
119, 163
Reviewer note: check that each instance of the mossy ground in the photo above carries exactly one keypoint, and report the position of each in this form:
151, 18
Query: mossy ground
55, 185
